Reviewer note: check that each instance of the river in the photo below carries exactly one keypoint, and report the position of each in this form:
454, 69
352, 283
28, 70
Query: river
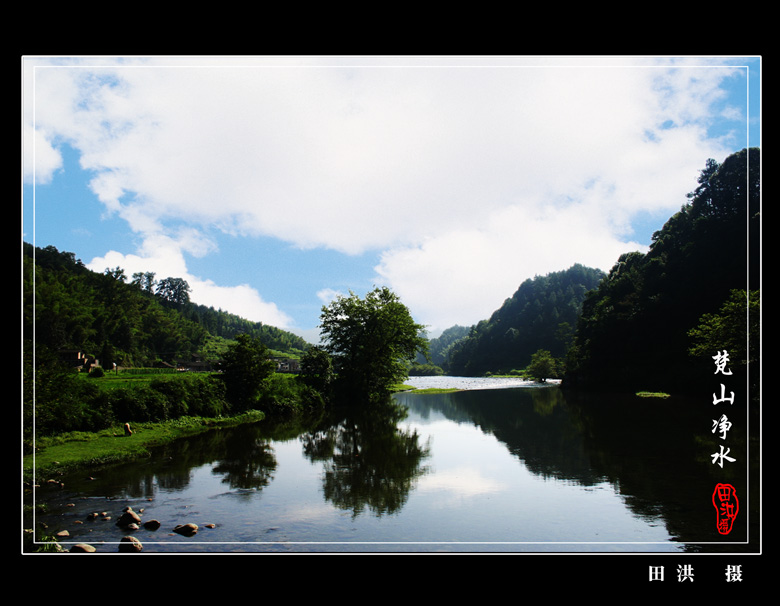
524, 468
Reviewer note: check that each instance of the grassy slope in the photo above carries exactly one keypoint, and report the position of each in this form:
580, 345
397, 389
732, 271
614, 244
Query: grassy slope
82, 449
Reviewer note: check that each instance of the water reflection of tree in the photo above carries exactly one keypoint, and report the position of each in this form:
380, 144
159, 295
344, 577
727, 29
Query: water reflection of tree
247, 464
545, 400
243, 454
369, 461
252, 467
178, 459
657, 455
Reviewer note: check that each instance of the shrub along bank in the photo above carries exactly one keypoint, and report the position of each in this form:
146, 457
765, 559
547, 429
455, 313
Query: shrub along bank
76, 419
55, 455
66, 402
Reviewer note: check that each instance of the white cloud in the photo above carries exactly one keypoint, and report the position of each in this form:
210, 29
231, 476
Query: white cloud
471, 179
164, 257
464, 482
326, 295
242, 300
463, 276
39, 153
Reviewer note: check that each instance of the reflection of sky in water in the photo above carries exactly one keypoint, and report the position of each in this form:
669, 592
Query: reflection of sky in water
463, 481
472, 489
475, 478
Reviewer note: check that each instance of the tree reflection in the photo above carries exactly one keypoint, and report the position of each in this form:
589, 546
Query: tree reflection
369, 462
545, 400
247, 463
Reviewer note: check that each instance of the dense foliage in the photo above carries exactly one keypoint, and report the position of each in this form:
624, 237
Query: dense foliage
635, 329
317, 369
138, 323
540, 315
371, 341
727, 328
542, 366
245, 367
58, 400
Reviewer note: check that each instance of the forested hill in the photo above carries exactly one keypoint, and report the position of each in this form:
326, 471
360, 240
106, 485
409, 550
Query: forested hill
439, 347
133, 322
658, 318
541, 314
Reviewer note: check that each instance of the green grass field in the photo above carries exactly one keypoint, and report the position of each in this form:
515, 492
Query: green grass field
84, 449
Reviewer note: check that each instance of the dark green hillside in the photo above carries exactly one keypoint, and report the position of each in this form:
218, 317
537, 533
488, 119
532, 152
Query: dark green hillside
542, 314
634, 333
138, 322
439, 347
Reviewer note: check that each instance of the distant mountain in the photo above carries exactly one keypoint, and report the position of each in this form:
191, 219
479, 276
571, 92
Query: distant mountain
137, 323
541, 314
439, 347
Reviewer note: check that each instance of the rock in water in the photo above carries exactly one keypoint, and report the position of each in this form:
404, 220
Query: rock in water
128, 517
186, 529
130, 545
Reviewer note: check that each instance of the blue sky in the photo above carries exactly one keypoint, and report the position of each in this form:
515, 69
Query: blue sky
271, 184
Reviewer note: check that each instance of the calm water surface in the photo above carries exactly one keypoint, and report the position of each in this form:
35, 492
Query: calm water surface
521, 469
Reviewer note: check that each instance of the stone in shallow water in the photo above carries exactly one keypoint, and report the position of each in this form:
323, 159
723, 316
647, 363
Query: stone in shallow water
186, 529
130, 545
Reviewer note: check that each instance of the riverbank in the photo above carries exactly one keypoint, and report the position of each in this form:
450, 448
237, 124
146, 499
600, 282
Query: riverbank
69, 451
60, 454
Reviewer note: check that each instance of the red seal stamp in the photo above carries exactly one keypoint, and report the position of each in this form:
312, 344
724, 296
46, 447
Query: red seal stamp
724, 498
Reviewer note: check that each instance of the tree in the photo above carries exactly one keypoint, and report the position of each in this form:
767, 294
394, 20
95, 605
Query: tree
735, 328
542, 365
316, 369
144, 280
245, 367
117, 273
371, 340
175, 290
729, 328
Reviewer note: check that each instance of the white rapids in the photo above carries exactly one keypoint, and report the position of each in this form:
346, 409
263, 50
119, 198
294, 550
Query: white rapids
471, 383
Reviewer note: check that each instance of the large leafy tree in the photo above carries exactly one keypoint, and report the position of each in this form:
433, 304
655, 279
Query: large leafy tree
371, 340
542, 366
174, 290
316, 369
245, 366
